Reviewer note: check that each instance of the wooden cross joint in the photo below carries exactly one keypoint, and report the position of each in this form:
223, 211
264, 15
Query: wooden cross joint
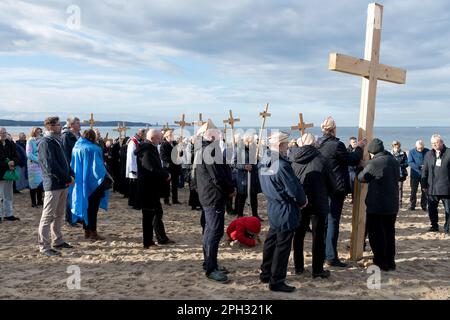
91, 121
301, 126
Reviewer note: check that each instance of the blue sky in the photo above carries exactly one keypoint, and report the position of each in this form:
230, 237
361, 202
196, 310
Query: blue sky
152, 61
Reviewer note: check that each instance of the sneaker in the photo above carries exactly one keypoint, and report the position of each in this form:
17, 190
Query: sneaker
433, 229
63, 245
51, 253
12, 218
281, 288
222, 269
218, 277
324, 274
336, 263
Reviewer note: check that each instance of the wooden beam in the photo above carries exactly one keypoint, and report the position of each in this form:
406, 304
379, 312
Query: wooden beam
361, 67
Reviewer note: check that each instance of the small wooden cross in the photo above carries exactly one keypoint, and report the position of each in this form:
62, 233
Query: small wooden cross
182, 123
200, 121
301, 126
231, 122
124, 129
264, 115
91, 121
371, 71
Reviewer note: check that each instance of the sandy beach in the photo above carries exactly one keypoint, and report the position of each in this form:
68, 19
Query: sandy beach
119, 268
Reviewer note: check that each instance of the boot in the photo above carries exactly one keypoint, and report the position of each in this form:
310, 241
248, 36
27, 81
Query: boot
95, 236
87, 234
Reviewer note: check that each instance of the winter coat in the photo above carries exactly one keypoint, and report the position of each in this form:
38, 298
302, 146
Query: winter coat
402, 160
437, 178
382, 173
244, 230
8, 151
415, 162
340, 159
283, 191
316, 176
242, 174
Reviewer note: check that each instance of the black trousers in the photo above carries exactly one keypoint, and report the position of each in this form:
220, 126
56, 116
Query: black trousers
240, 204
381, 230
277, 248
93, 206
133, 194
152, 221
318, 243
413, 198
433, 203
36, 196
172, 187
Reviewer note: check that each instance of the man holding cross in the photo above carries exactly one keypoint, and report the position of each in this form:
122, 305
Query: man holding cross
334, 150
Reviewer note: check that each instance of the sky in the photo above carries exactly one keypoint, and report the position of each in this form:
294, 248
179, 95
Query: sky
153, 60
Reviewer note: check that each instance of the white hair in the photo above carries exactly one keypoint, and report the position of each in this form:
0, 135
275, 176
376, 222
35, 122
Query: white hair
420, 143
436, 137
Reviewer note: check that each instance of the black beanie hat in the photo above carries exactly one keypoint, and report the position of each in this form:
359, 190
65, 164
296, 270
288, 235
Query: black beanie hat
375, 146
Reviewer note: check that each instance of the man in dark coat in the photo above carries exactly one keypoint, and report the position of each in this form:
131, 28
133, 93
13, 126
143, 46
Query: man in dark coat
246, 165
340, 159
436, 181
214, 186
285, 198
415, 162
317, 178
151, 177
166, 150
382, 173
70, 136
9, 159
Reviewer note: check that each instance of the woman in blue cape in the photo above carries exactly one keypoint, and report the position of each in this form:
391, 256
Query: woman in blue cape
89, 191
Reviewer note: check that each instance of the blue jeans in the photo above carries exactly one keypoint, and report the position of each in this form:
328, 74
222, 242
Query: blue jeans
213, 232
333, 220
433, 202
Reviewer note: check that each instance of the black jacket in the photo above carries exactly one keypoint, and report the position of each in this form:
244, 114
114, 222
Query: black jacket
382, 173
166, 156
56, 173
436, 178
68, 140
402, 160
151, 175
213, 180
340, 159
7, 152
317, 177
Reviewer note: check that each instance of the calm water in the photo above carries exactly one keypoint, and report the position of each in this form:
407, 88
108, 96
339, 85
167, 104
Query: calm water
406, 135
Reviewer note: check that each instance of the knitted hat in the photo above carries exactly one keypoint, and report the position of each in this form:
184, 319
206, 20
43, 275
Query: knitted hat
375, 146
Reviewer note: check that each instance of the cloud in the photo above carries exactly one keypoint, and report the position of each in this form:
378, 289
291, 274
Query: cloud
204, 56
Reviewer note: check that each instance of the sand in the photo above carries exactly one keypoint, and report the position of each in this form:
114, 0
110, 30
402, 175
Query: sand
119, 268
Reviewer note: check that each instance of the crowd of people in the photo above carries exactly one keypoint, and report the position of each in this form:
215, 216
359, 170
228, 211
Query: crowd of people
70, 173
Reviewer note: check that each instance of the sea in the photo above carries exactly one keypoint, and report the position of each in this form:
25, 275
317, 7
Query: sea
406, 135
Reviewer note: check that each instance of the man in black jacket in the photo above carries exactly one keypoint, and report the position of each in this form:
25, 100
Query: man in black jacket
69, 136
317, 178
436, 181
9, 159
167, 149
56, 177
340, 159
214, 186
382, 203
151, 178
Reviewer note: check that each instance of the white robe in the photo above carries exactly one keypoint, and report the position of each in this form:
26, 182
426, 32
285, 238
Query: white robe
131, 161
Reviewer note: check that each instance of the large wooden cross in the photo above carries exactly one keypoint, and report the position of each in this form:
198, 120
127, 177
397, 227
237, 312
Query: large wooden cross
182, 123
91, 121
370, 70
264, 115
231, 122
301, 126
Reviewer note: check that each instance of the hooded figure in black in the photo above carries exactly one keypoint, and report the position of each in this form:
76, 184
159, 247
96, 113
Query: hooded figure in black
151, 179
318, 180
382, 174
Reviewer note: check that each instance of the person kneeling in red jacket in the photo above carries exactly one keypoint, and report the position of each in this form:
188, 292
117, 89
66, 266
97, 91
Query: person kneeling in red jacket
245, 230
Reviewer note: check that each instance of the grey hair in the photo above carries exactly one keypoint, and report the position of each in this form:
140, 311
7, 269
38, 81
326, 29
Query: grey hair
71, 120
436, 137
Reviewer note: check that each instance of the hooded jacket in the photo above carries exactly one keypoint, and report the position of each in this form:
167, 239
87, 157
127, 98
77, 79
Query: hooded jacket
316, 176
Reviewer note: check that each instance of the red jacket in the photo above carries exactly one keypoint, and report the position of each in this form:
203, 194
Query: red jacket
243, 228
